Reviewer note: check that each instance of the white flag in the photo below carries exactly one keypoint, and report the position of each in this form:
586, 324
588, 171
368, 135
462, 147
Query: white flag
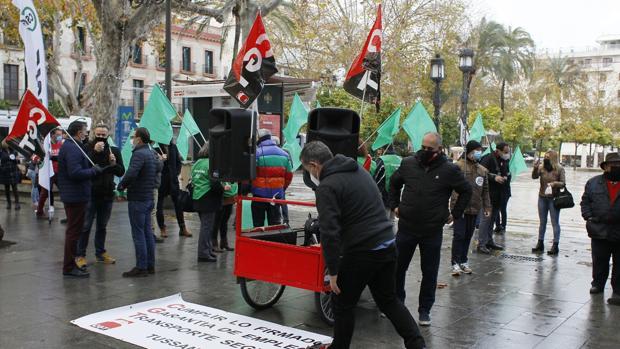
30, 31
47, 170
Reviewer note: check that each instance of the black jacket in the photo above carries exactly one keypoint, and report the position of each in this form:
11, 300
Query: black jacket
103, 184
212, 200
141, 176
9, 172
171, 170
497, 166
423, 209
351, 214
603, 218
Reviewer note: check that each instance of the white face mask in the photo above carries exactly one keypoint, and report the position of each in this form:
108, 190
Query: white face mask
314, 180
506, 156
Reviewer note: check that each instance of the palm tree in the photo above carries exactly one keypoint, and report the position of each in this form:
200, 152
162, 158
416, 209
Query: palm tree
515, 59
561, 78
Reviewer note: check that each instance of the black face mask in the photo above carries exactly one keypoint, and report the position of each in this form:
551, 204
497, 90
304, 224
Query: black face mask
547, 165
426, 156
613, 174
101, 139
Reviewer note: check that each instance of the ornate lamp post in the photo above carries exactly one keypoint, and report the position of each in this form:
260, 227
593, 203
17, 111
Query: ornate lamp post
138, 3
466, 65
437, 75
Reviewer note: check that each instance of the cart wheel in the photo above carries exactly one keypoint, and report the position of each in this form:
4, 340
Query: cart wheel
260, 294
324, 304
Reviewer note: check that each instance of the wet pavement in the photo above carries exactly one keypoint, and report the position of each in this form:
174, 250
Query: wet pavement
509, 302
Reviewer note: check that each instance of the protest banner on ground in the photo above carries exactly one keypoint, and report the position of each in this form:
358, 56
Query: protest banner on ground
171, 322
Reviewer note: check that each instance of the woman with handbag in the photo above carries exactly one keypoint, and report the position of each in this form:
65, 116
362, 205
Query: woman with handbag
207, 196
552, 179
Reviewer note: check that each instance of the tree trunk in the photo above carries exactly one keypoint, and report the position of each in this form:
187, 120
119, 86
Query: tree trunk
237, 33
502, 97
575, 158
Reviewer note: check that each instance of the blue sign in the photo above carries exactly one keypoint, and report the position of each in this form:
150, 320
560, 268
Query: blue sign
124, 123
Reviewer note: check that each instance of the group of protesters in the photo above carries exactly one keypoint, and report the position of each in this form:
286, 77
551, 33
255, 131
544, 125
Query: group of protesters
415, 197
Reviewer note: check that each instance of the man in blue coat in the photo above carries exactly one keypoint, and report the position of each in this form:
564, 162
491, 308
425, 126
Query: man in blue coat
74, 181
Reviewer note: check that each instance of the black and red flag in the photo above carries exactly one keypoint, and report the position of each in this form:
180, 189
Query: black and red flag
364, 76
252, 67
32, 124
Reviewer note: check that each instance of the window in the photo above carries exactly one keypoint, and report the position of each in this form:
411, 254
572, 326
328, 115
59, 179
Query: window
208, 62
11, 82
81, 83
184, 104
136, 54
602, 77
138, 95
587, 62
601, 94
187, 59
81, 40
607, 61
161, 55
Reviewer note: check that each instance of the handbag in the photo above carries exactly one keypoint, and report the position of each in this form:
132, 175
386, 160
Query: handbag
186, 198
563, 199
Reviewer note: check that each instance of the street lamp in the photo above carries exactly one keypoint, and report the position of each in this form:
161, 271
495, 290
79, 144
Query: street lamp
437, 75
466, 65
138, 3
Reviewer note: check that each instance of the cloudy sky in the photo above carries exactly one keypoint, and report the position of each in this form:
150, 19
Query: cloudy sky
556, 24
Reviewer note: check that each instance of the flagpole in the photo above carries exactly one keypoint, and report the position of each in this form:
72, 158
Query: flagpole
82, 150
375, 131
364, 93
190, 132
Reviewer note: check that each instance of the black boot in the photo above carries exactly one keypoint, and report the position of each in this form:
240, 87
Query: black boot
540, 247
554, 250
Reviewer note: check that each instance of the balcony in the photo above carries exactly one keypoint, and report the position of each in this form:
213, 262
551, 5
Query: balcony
86, 53
187, 69
209, 71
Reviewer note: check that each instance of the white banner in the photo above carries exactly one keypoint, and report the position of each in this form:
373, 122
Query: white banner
171, 322
34, 51
47, 170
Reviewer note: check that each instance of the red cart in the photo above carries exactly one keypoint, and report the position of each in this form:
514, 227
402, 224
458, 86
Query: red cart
267, 259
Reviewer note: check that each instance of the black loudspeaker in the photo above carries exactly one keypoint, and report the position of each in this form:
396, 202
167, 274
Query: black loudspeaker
232, 144
338, 128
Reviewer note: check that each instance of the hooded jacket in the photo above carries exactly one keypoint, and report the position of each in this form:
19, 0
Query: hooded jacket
351, 214
423, 209
476, 175
274, 170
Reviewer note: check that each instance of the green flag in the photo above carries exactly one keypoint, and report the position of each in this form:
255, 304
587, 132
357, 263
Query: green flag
111, 142
391, 162
188, 129
126, 151
157, 115
246, 216
517, 163
417, 124
297, 117
294, 150
318, 104
387, 130
477, 131
489, 149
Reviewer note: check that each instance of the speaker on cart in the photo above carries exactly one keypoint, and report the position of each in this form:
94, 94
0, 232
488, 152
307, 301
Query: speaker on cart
232, 144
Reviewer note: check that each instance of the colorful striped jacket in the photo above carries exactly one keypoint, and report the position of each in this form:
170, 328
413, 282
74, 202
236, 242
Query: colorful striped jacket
273, 171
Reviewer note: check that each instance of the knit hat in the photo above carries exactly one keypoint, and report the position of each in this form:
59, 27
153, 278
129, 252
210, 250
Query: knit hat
471, 146
264, 133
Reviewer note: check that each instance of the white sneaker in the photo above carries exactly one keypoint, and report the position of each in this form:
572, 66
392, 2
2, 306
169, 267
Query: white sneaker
456, 270
465, 268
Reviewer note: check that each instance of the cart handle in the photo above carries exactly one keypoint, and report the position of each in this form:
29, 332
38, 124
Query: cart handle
275, 201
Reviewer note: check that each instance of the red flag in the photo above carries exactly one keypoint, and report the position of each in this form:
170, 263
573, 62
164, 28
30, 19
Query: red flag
364, 76
252, 67
32, 124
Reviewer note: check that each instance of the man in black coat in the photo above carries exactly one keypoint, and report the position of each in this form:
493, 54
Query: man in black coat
499, 181
100, 205
357, 243
600, 207
170, 187
428, 180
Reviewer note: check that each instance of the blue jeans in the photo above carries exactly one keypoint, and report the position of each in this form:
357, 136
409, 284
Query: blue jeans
205, 243
142, 233
545, 205
485, 234
463, 232
103, 210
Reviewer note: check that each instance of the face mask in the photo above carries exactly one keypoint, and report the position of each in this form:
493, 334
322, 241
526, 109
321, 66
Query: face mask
426, 156
506, 156
477, 155
314, 180
101, 139
613, 174
547, 165
58, 139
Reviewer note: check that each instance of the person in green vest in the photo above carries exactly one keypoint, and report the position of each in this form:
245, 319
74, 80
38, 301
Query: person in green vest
387, 164
365, 160
207, 198
222, 217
